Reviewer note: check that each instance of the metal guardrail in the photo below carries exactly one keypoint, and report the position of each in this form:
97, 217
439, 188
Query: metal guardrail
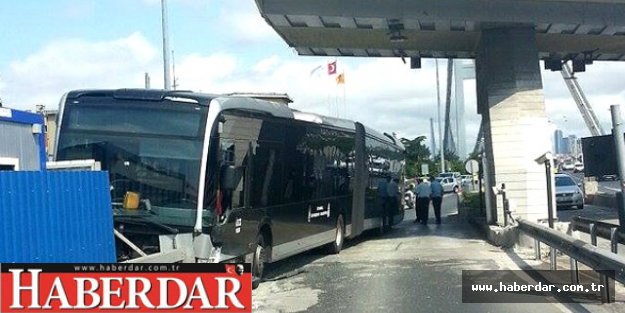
596, 229
594, 257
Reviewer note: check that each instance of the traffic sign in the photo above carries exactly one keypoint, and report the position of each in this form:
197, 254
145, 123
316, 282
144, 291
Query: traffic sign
472, 166
425, 169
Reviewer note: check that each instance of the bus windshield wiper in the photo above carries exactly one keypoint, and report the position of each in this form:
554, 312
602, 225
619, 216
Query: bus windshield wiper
144, 216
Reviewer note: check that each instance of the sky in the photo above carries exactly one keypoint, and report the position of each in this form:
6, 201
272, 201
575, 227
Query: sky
221, 46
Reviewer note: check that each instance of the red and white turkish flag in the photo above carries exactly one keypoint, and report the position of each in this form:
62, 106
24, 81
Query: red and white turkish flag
332, 68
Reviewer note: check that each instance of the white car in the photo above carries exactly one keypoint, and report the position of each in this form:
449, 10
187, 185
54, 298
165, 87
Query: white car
568, 192
579, 167
455, 175
466, 179
568, 166
450, 184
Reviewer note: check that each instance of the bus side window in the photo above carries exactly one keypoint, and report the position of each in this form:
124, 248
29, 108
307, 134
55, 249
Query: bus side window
234, 156
267, 175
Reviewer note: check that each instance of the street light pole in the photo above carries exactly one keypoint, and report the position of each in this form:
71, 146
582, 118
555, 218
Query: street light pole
167, 80
619, 147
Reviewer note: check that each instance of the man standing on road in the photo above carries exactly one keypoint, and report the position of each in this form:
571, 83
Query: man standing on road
383, 195
437, 198
393, 201
417, 205
423, 192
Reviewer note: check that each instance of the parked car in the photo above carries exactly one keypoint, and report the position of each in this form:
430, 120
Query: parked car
579, 167
450, 184
568, 166
455, 175
607, 177
466, 179
568, 192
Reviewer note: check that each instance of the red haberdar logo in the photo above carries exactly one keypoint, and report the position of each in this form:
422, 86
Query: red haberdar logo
121, 287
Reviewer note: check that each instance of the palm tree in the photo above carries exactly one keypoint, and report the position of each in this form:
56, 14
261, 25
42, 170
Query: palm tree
416, 154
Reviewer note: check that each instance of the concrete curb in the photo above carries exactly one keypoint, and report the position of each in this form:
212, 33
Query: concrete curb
505, 237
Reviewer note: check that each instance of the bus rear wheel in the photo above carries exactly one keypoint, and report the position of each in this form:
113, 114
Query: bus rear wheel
335, 246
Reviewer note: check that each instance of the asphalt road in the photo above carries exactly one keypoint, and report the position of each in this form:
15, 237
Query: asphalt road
609, 215
604, 186
413, 268
605, 214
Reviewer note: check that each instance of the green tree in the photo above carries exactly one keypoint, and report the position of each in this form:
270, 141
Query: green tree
452, 163
417, 153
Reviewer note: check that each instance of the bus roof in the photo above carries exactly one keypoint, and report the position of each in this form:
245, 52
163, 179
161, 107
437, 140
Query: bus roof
142, 94
324, 120
231, 102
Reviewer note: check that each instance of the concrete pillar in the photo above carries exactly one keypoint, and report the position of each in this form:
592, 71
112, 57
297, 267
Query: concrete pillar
511, 101
458, 116
462, 71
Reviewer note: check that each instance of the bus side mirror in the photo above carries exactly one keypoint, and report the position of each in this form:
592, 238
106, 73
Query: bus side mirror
228, 177
220, 124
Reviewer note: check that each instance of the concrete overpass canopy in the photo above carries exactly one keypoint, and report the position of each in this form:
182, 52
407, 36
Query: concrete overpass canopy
565, 29
507, 38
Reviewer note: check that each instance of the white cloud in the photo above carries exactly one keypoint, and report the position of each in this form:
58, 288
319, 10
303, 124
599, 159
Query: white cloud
266, 65
382, 93
249, 27
63, 65
244, 25
197, 72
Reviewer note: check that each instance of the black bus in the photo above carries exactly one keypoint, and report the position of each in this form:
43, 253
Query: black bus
228, 178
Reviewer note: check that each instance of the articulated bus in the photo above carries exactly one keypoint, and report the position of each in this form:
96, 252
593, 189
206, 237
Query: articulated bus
228, 178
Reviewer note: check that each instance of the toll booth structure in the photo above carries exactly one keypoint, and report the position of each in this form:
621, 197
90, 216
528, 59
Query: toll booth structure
22, 141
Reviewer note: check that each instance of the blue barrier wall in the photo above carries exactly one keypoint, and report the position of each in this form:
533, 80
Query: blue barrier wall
55, 217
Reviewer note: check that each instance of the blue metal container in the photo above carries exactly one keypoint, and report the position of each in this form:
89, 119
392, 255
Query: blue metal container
55, 217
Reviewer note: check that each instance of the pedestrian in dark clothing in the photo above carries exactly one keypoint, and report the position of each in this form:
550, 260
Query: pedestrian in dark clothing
437, 198
423, 192
417, 206
393, 202
383, 195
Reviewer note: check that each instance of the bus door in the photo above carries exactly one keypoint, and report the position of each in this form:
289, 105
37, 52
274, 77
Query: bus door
238, 221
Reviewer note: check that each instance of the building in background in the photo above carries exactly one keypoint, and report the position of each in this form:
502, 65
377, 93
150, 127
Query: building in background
22, 141
572, 146
565, 146
557, 142
578, 149
463, 70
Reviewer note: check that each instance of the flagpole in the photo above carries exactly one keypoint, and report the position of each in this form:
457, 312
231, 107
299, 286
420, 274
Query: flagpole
334, 108
345, 101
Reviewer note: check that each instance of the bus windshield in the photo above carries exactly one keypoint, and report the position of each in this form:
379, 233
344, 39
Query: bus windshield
153, 148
